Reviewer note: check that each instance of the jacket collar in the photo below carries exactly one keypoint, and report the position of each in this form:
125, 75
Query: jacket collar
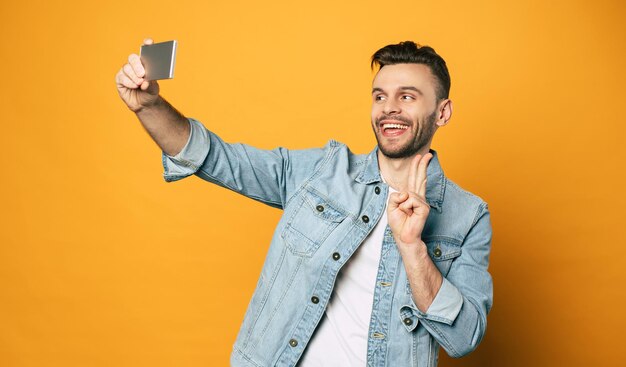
436, 180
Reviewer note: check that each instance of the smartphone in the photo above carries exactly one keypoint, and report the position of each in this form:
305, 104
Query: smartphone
158, 59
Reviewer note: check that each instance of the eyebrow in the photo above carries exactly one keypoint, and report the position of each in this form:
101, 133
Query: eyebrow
413, 89
376, 89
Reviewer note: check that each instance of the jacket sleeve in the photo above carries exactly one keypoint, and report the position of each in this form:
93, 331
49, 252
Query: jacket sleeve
457, 319
269, 176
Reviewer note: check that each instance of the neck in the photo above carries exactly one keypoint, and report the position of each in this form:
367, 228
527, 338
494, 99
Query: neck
396, 170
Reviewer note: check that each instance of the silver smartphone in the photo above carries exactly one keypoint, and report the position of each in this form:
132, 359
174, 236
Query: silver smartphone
158, 59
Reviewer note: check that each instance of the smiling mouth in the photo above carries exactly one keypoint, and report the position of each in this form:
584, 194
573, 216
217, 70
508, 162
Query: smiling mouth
393, 129
389, 125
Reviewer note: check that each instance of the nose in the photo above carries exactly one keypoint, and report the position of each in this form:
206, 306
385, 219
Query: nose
391, 107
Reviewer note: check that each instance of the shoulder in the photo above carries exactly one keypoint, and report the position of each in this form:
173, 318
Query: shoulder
326, 150
460, 195
332, 152
463, 204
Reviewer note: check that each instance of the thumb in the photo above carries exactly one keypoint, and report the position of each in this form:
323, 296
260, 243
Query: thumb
152, 87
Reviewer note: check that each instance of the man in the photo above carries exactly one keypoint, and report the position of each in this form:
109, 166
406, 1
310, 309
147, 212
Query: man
378, 259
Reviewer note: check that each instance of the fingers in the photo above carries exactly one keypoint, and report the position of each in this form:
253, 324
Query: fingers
130, 73
137, 66
420, 180
417, 172
124, 80
422, 189
412, 184
133, 73
397, 198
406, 202
412, 202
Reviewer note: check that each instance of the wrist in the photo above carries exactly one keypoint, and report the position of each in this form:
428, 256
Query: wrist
416, 250
149, 106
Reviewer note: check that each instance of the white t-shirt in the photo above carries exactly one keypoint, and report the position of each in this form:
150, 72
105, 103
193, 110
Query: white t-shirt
341, 337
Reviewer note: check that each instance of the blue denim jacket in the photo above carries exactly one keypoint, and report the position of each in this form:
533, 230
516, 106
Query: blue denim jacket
326, 194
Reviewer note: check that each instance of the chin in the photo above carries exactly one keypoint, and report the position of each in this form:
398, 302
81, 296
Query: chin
398, 153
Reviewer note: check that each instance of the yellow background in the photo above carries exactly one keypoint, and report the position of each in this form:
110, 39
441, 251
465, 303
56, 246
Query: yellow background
102, 263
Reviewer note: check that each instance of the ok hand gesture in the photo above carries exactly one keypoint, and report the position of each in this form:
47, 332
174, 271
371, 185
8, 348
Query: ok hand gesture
407, 211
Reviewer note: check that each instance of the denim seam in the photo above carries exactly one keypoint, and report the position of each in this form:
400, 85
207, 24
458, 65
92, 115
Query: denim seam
442, 191
436, 318
479, 213
463, 191
445, 239
433, 350
327, 289
316, 244
334, 205
282, 297
264, 299
443, 338
483, 320
246, 358
230, 187
430, 350
331, 151
414, 354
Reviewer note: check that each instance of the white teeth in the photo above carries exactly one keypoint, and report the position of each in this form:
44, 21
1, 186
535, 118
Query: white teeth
394, 126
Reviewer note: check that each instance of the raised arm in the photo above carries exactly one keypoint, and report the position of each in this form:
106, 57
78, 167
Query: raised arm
167, 127
189, 148
453, 309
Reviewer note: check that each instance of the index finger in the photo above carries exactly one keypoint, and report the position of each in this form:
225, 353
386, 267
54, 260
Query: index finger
421, 174
135, 63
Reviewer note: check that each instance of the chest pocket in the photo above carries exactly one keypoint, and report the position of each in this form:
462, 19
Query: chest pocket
310, 224
442, 254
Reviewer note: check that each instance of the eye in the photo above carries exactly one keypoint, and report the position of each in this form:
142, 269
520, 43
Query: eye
379, 97
407, 97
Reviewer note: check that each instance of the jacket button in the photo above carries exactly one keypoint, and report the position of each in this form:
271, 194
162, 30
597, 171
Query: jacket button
437, 252
408, 322
319, 208
336, 256
315, 300
293, 342
365, 219
377, 190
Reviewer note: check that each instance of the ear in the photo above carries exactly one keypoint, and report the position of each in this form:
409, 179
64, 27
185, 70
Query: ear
445, 112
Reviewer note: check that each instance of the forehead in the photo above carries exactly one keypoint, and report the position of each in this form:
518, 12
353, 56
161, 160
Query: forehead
392, 77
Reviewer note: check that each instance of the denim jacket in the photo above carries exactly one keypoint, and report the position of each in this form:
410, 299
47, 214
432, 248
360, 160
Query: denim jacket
331, 200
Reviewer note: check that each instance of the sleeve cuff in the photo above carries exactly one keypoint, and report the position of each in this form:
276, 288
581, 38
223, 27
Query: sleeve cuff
445, 307
191, 157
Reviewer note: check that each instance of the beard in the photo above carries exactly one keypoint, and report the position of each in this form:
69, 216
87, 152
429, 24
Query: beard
423, 136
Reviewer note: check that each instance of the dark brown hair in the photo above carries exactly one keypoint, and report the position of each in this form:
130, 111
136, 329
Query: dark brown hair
408, 52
